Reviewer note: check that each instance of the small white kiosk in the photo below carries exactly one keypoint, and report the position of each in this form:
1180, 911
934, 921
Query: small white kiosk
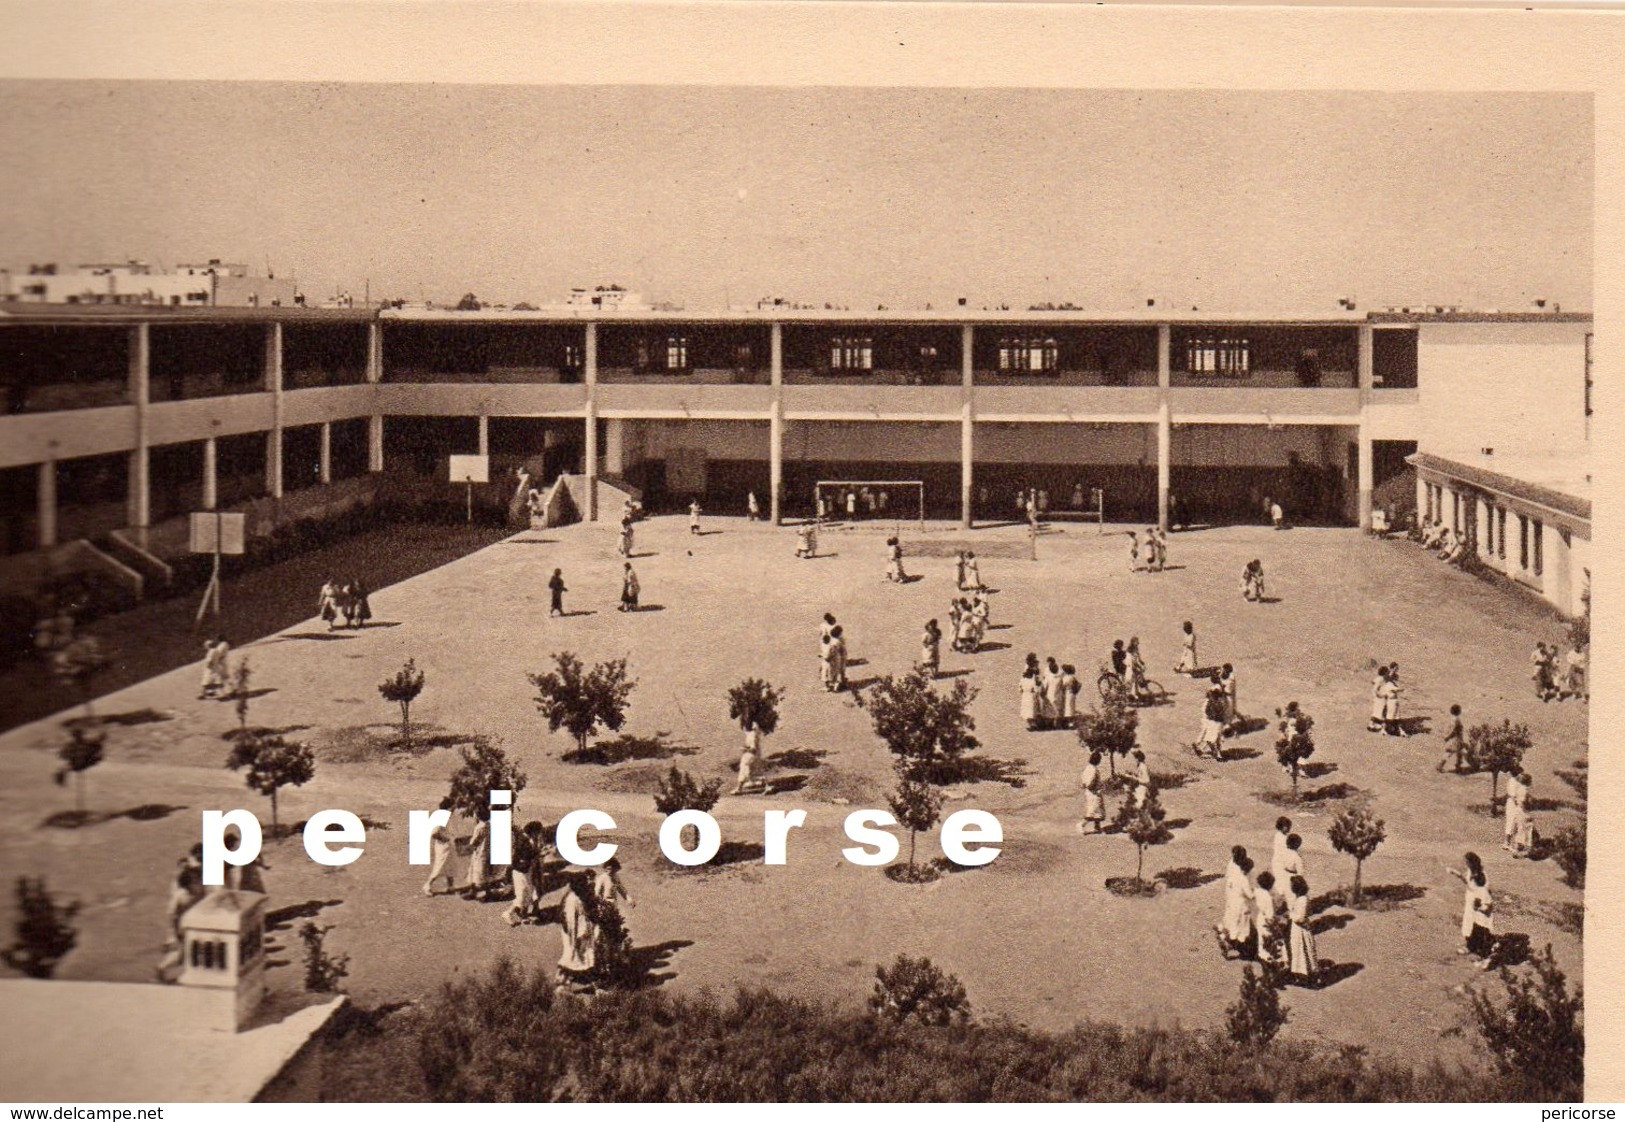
223, 951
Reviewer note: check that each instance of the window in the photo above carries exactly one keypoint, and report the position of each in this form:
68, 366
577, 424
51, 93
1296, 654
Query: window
1523, 543
1501, 533
1218, 356
851, 352
1539, 552
676, 352
1028, 355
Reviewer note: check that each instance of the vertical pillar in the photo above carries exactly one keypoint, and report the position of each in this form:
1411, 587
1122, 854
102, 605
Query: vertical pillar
211, 474
375, 375
45, 495
326, 456
967, 427
1165, 422
1366, 465
590, 457
485, 435
614, 446
1421, 500
139, 510
775, 425
273, 385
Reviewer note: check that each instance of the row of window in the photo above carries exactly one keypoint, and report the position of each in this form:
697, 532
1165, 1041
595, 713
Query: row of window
1464, 514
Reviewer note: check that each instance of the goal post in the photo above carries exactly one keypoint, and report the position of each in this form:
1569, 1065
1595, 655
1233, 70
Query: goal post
872, 500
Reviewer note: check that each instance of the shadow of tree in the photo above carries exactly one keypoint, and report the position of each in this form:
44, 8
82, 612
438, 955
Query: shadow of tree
1237, 753
314, 636
1186, 876
647, 966
1171, 780
279, 919
77, 819
1249, 725
1322, 924
784, 784
629, 747
1511, 949
1536, 803
146, 716
802, 758
1317, 770
977, 769
1331, 792
1329, 974
1373, 898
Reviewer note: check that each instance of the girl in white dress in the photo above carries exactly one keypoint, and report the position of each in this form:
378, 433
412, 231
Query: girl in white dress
748, 760
1187, 654
1133, 552
930, 650
1390, 704
1477, 912
1069, 695
580, 951
973, 573
1235, 927
1300, 941
1094, 807
1270, 949
1029, 699
1378, 700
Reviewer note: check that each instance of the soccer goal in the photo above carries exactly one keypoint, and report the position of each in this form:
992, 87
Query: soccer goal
858, 500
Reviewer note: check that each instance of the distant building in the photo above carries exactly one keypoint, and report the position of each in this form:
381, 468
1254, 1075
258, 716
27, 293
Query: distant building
214, 284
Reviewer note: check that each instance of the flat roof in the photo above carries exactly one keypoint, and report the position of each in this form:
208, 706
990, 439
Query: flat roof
19, 312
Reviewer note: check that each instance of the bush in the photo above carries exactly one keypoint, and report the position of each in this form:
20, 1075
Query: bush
1112, 730
920, 726
578, 700
1569, 851
44, 930
323, 972
485, 768
403, 688
1358, 833
755, 702
678, 790
273, 762
1257, 1014
917, 988
1537, 1038
1497, 749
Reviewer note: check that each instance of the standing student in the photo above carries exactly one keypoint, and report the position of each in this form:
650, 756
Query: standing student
580, 951
1574, 673
973, 573
1142, 778
1054, 695
894, 561
1133, 552
216, 670
1069, 695
1379, 700
1211, 740
1283, 831
1271, 948
1235, 926
629, 589
838, 657
479, 869
1455, 744
694, 517
327, 603
930, 650
1094, 806
626, 536
1477, 912
1301, 952
1289, 863
752, 510
556, 591
1232, 710
441, 846
749, 758
1277, 515
1390, 704
1520, 824
1030, 704
1187, 653
526, 852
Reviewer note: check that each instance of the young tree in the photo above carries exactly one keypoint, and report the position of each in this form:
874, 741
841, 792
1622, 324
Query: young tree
323, 971
921, 727
579, 701
44, 930
81, 752
485, 768
77, 663
273, 762
917, 805
403, 688
1112, 730
1356, 832
239, 694
1295, 744
1537, 1038
1497, 749
918, 988
1257, 1014
755, 702
679, 790
1145, 828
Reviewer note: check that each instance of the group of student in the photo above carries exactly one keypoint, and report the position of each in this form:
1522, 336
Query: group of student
1252, 581
1220, 716
1553, 684
1093, 784
1049, 694
347, 600
1156, 551
832, 655
968, 620
1267, 918
535, 870
1385, 691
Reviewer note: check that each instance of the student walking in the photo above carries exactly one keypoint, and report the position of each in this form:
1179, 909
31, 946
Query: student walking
894, 562
1455, 744
556, 591
629, 589
1069, 695
1391, 725
1094, 806
1133, 552
215, 668
441, 847
1477, 912
749, 759
1187, 654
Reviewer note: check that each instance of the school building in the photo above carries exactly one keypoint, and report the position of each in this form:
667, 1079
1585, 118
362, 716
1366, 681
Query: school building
119, 420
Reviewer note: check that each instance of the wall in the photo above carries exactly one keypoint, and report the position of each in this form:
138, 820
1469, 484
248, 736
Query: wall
1519, 388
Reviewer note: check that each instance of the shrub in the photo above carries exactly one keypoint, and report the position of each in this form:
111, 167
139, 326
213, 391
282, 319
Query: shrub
1145, 828
1497, 749
917, 806
1356, 832
273, 762
1112, 730
485, 768
918, 989
403, 688
755, 702
81, 752
920, 726
323, 971
1295, 744
1537, 1038
44, 931
239, 693
79, 662
678, 790
1257, 1013
1569, 851
578, 700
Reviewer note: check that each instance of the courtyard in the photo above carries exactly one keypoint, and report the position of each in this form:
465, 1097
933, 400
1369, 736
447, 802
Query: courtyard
1035, 936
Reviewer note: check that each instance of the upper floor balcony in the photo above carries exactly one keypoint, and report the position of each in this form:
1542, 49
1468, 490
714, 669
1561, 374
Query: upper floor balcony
1257, 357
46, 369
484, 353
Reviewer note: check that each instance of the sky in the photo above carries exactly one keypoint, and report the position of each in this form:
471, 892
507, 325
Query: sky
1278, 202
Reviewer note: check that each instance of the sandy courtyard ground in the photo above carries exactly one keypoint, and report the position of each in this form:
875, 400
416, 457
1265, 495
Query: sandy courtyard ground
1035, 936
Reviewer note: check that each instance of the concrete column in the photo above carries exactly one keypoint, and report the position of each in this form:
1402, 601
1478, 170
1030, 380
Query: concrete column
775, 425
139, 509
1364, 440
590, 458
967, 427
326, 460
375, 443
1482, 530
1421, 500
375, 352
211, 474
1165, 422
485, 435
45, 495
273, 385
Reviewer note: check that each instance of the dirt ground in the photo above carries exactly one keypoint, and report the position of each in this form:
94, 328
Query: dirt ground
1035, 936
